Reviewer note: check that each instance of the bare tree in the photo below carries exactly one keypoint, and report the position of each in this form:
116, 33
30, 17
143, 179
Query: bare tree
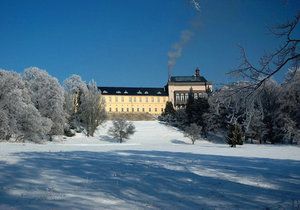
121, 129
92, 112
286, 55
193, 132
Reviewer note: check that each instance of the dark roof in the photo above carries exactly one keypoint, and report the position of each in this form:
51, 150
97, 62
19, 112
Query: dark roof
187, 79
133, 91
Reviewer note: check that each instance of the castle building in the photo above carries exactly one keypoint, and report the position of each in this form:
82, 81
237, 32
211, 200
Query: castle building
153, 100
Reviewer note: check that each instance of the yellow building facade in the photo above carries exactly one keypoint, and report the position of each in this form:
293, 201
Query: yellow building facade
153, 100
134, 100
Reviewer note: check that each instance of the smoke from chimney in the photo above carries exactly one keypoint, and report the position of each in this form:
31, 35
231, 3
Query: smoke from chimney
185, 36
176, 49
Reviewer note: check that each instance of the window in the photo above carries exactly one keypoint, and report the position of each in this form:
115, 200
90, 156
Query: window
132, 109
122, 110
155, 109
104, 91
162, 110
138, 109
158, 93
140, 99
130, 99
149, 109
109, 98
139, 92
134, 99
118, 92
158, 99
177, 97
186, 96
116, 98
146, 99
122, 99
152, 99
146, 92
110, 109
182, 97
127, 109
125, 92
143, 109
116, 109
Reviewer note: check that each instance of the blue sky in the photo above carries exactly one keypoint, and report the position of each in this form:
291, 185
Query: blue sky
125, 43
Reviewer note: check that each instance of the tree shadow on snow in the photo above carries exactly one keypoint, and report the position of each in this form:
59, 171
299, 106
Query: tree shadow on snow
176, 141
147, 180
107, 139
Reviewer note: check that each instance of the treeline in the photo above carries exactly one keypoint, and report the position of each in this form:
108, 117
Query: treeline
269, 114
34, 106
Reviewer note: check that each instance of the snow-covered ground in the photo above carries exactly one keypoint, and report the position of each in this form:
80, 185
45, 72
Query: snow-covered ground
157, 168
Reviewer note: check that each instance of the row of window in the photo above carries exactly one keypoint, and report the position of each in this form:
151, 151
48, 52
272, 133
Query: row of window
184, 96
139, 92
133, 110
137, 99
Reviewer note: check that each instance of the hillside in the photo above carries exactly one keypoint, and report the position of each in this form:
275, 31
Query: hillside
157, 168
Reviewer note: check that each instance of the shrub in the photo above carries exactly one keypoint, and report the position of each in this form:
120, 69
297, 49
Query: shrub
193, 132
121, 129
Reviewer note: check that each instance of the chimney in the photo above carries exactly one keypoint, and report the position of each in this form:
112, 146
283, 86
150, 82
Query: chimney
197, 72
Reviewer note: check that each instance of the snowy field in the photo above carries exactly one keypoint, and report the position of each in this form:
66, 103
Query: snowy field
157, 168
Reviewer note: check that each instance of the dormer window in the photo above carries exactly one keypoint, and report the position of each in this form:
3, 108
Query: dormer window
146, 92
158, 92
139, 92
104, 91
125, 92
118, 92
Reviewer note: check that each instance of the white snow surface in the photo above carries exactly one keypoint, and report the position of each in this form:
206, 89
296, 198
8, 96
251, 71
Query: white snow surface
157, 168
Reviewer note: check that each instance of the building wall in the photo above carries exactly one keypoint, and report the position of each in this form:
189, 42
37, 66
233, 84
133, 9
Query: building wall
185, 88
135, 104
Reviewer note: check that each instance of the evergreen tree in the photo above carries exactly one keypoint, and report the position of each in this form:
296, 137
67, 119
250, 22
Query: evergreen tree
196, 110
169, 109
189, 109
234, 136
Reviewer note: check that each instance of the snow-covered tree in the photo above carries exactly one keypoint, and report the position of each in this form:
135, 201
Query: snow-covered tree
268, 102
19, 117
121, 129
92, 108
4, 125
289, 107
228, 105
74, 88
47, 96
